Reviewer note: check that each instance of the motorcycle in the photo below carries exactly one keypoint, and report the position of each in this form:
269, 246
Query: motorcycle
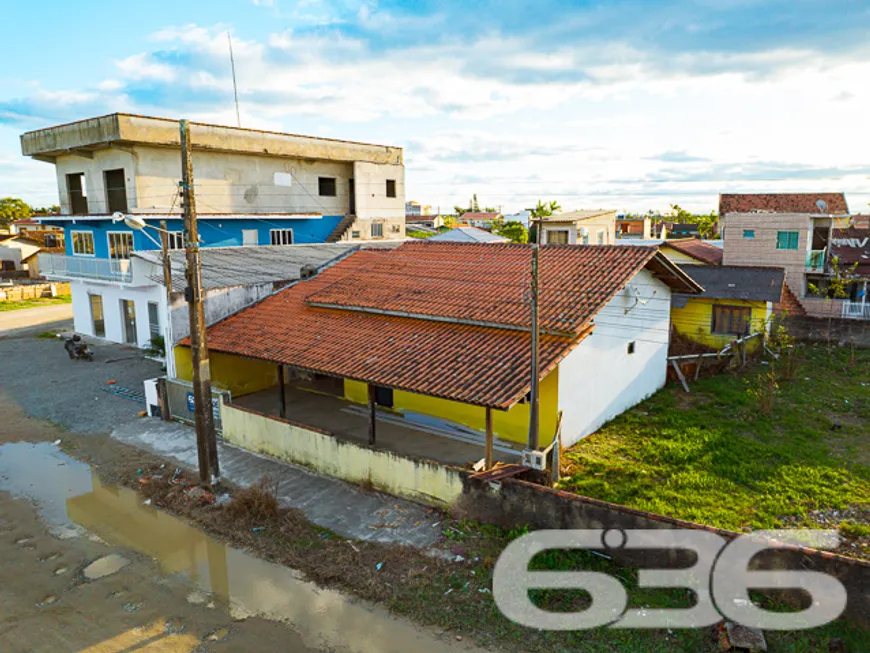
77, 349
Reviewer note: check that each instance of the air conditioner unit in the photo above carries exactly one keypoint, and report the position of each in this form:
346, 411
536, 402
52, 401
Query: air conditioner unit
534, 459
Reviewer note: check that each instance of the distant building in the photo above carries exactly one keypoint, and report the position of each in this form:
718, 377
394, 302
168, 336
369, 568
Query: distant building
481, 220
469, 235
638, 227
589, 227
430, 221
413, 208
520, 216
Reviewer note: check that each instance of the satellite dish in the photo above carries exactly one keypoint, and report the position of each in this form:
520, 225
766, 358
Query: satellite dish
821, 205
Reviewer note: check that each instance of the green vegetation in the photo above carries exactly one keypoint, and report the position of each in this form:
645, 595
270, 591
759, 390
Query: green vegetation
513, 231
418, 234
727, 457
34, 303
13, 208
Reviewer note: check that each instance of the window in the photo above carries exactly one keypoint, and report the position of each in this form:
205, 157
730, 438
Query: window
377, 229
120, 244
83, 243
175, 240
97, 316
391, 187
749, 233
731, 320
250, 237
281, 236
54, 240
116, 191
631, 347
153, 320
78, 194
600, 237
557, 236
787, 239
354, 234
326, 186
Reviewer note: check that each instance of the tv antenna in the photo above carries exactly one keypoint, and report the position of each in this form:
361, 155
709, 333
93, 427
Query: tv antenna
235, 88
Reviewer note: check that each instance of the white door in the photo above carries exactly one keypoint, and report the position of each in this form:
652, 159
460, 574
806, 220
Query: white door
249, 237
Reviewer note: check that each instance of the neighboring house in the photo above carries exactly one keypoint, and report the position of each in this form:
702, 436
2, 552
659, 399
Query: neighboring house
736, 302
791, 231
634, 227
416, 209
442, 329
693, 251
468, 235
15, 250
32, 228
417, 221
481, 220
252, 188
666, 230
589, 227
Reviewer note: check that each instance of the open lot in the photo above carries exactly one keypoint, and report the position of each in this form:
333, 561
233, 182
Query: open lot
712, 457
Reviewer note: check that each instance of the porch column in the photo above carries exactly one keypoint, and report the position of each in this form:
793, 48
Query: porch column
488, 455
372, 414
282, 393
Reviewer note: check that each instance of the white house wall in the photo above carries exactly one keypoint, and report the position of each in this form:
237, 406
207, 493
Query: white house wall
370, 181
112, 294
219, 303
95, 181
599, 379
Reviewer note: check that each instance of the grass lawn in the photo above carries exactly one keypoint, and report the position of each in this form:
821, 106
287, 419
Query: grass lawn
713, 457
34, 303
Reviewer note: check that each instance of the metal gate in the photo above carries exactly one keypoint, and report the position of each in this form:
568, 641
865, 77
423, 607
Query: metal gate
179, 396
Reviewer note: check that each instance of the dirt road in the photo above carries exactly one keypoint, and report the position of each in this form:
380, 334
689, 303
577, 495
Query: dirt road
170, 588
33, 317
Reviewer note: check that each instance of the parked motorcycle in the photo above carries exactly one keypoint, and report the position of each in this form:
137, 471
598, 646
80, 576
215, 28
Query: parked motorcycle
78, 349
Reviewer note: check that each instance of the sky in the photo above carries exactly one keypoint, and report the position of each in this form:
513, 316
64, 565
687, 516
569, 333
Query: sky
624, 104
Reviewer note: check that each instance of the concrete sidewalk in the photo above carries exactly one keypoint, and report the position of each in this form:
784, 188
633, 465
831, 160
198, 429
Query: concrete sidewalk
327, 502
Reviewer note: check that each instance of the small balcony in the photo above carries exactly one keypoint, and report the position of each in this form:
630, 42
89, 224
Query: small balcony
816, 260
856, 310
59, 266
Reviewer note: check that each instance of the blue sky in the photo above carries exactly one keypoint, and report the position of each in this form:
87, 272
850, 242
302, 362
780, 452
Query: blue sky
617, 104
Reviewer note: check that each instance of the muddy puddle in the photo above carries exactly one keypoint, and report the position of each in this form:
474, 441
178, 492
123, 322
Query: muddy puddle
73, 502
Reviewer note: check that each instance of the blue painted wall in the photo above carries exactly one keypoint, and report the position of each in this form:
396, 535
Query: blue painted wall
213, 231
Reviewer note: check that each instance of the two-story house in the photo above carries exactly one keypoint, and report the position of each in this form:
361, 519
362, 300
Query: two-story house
252, 188
587, 227
792, 231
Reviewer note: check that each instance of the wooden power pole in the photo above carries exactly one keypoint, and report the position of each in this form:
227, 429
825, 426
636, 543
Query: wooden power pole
533, 403
206, 442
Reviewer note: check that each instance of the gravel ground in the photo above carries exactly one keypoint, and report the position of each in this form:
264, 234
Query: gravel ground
39, 376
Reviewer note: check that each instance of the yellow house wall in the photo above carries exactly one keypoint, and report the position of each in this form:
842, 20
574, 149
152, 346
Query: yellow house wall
511, 425
420, 480
241, 376
695, 321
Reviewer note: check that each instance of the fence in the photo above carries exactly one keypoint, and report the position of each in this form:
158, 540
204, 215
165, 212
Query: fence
179, 397
59, 265
19, 293
856, 311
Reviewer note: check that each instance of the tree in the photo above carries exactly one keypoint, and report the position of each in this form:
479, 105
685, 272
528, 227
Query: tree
514, 231
459, 211
475, 207
706, 221
12, 208
54, 209
544, 209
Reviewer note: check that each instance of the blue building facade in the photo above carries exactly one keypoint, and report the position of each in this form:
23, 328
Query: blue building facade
214, 231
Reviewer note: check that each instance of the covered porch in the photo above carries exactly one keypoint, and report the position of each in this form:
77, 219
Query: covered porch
415, 435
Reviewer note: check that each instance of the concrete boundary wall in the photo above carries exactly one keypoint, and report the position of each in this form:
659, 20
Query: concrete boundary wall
514, 503
420, 480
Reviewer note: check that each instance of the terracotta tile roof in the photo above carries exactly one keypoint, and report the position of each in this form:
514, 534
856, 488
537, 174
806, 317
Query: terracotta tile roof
697, 249
782, 203
486, 284
445, 356
480, 216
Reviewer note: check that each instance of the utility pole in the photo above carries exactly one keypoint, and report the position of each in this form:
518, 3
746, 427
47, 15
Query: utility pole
167, 263
206, 442
533, 403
